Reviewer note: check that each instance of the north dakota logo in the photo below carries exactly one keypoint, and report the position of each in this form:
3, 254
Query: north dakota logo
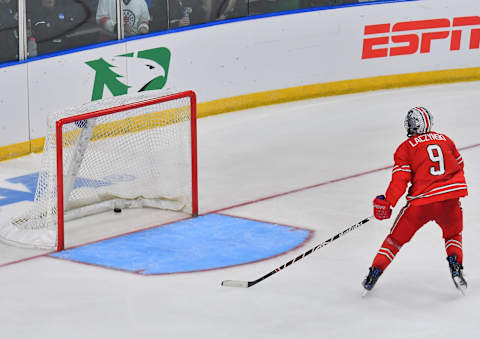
145, 70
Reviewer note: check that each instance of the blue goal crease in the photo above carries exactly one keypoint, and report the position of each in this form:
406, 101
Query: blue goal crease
203, 243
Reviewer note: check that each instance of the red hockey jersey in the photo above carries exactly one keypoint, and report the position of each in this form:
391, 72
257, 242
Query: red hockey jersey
433, 166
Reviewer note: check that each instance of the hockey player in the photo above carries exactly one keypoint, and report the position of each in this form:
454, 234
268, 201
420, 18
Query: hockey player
50, 23
432, 164
135, 16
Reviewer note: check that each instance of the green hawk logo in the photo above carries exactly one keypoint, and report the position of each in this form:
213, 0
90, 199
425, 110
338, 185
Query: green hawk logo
147, 70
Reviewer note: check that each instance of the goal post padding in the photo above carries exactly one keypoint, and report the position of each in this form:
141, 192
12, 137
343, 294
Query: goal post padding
116, 153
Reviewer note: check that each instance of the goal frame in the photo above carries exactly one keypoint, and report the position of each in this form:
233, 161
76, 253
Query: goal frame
111, 110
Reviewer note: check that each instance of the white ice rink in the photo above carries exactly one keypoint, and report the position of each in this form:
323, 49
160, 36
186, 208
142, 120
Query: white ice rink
261, 153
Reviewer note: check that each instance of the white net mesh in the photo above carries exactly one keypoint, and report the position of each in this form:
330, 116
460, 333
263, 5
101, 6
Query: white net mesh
134, 158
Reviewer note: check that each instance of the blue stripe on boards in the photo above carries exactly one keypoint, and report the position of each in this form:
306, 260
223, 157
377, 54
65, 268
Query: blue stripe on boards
202, 243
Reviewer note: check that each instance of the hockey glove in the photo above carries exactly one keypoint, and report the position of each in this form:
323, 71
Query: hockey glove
381, 208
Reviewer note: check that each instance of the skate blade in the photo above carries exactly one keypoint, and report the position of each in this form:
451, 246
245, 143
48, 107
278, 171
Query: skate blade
460, 285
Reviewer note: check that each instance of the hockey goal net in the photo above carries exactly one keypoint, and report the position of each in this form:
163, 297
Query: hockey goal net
123, 152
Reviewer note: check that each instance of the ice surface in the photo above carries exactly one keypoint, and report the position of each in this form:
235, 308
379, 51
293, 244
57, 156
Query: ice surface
265, 152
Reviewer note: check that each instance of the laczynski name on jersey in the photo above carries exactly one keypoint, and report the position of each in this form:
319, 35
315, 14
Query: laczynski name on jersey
426, 137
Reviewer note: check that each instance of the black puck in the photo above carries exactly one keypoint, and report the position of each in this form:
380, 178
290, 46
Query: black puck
117, 210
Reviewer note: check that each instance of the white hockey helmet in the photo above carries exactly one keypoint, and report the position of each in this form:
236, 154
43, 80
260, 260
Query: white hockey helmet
418, 121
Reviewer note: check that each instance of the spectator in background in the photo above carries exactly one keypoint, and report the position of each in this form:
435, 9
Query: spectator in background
136, 16
186, 12
192, 12
227, 9
167, 14
198, 14
180, 13
51, 21
158, 15
8, 30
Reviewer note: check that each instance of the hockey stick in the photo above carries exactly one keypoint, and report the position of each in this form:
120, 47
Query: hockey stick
241, 283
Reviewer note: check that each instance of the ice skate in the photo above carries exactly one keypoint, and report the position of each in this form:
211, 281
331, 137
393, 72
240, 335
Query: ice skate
456, 269
373, 274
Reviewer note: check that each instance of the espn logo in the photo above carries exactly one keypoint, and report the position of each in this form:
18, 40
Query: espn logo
409, 34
